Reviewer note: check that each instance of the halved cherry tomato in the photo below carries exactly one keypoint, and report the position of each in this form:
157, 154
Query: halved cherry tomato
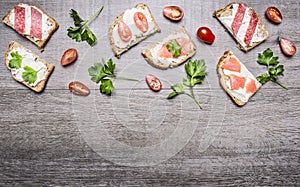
69, 57
124, 31
274, 15
287, 47
173, 13
140, 21
206, 35
153, 82
79, 88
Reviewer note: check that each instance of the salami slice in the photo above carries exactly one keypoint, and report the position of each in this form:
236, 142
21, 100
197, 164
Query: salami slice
251, 28
36, 23
238, 19
19, 21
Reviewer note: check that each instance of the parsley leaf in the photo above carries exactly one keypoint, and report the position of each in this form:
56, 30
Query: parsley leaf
196, 72
15, 61
29, 74
267, 58
81, 31
174, 47
104, 73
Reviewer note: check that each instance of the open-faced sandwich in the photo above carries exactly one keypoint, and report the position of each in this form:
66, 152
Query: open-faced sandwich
31, 22
171, 51
243, 23
26, 67
236, 79
131, 27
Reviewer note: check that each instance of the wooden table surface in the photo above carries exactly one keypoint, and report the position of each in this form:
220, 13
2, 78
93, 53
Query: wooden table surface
137, 137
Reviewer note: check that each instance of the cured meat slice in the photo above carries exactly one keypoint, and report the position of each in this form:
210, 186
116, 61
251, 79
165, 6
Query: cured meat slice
185, 44
36, 23
251, 87
237, 82
19, 21
232, 64
251, 28
238, 19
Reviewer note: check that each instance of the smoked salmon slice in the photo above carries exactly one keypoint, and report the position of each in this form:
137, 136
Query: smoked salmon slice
237, 82
251, 87
185, 44
232, 64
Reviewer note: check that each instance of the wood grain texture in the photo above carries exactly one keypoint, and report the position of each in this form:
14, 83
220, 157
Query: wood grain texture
45, 137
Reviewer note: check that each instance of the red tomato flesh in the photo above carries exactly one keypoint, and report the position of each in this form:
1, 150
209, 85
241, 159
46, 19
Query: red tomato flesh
79, 88
153, 82
124, 31
274, 15
140, 21
206, 35
287, 47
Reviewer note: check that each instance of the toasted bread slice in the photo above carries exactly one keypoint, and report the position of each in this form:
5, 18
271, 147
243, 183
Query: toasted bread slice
43, 68
153, 53
244, 25
118, 45
44, 25
236, 79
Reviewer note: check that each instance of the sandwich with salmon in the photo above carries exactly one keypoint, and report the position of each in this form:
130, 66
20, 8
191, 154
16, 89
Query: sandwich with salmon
239, 83
31, 22
171, 51
243, 23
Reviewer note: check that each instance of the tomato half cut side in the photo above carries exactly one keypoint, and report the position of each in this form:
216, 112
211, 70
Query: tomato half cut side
124, 31
153, 82
79, 88
205, 35
287, 47
69, 57
274, 15
141, 21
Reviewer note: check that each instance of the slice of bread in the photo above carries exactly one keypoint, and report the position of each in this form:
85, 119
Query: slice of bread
29, 58
151, 53
49, 25
236, 18
120, 46
241, 95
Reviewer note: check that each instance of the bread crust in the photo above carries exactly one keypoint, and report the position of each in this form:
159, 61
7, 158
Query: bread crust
225, 11
40, 43
151, 60
50, 67
118, 51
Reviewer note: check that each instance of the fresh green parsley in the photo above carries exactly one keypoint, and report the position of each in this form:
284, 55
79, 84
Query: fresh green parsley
81, 31
29, 74
196, 72
266, 58
104, 73
174, 47
15, 61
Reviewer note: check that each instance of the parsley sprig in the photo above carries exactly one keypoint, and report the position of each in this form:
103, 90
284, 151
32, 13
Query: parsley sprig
274, 71
81, 31
15, 61
29, 74
104, 73
196, 72
174, 47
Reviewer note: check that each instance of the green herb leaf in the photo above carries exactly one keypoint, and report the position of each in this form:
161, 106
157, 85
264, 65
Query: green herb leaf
29, 74
15, 61
174, 48
96, 72
81, 31
106, 86
267, 58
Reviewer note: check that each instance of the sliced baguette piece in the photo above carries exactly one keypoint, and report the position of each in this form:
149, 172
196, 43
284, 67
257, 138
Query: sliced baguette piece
29, 58
50, 25
151, 53
118, 46
240, 96
226, 16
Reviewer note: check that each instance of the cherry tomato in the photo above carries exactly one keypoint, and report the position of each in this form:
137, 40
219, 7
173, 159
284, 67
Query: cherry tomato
153, 82
69, 57
274, 15
173, 13
287, 47
124, 31
140, 21
206, 35
79, 88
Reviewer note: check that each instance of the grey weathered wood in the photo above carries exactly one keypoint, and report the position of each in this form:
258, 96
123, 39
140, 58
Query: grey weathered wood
43, 140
